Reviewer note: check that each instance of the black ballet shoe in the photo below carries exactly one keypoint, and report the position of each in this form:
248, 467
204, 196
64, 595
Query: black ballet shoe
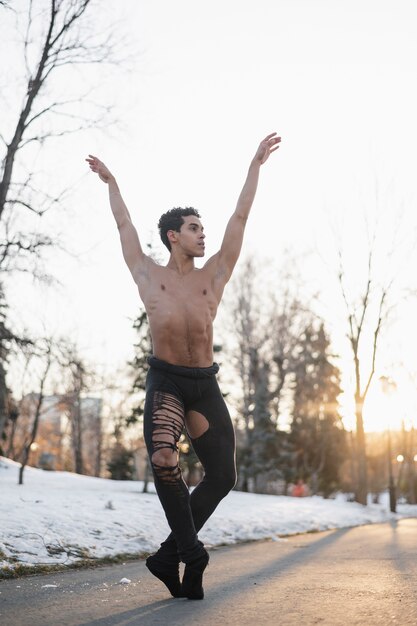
192, 582
169, 575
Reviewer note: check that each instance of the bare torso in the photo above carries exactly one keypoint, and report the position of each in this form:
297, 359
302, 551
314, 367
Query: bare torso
180, 300
181, 310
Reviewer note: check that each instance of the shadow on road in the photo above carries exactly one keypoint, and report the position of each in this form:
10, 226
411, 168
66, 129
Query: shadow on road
401, 558
154, 613
182, 611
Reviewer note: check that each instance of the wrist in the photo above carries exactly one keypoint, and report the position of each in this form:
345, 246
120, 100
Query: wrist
255, 163
112, 185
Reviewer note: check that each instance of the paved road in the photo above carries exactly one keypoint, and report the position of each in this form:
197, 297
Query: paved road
365, 575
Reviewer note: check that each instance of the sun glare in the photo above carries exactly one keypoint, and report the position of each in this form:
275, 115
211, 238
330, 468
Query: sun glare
390, 407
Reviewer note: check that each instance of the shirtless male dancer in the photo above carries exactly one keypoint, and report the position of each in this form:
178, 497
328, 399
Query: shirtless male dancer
181, 389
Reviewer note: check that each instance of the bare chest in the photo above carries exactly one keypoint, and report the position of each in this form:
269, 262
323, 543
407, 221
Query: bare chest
171, 294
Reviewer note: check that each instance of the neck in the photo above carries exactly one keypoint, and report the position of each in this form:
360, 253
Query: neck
181, 264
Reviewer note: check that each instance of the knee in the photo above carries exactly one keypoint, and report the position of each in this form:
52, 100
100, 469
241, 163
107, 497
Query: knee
225, 482
165, 457
165, 465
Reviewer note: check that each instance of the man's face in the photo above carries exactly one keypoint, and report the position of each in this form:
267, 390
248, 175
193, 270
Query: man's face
191, 236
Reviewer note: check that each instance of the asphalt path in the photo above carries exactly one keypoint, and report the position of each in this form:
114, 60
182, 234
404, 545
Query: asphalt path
364, 575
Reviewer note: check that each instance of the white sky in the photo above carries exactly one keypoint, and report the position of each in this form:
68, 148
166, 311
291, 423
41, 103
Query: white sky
335, 78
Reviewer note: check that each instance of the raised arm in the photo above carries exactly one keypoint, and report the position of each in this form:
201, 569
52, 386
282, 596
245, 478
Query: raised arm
132, 250
233, 237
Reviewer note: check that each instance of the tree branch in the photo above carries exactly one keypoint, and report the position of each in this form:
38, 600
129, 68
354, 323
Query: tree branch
366, 296
375, 341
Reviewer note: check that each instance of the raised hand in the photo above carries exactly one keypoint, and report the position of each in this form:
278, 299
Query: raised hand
99, 168
267, 147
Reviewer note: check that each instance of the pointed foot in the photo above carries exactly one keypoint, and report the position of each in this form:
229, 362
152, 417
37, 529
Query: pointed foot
167, 574
192, 582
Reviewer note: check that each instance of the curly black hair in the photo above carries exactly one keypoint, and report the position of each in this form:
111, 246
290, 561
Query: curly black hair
173, 220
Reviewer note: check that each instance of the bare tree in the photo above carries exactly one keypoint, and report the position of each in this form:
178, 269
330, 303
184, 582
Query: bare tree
250, 338
267, 331
38, 408
83, 409
370, 311
288, 319
51, 95
57, 38
250, 334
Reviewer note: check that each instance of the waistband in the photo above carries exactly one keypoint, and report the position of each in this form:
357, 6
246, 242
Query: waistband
181, 370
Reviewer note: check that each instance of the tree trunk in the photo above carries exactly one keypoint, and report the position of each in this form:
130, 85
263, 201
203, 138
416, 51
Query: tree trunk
27, 448
77, 438
99, 434
411, 470
147, 476
314, 482
353, 460
10, 447
361, 494
261, 483
3, 402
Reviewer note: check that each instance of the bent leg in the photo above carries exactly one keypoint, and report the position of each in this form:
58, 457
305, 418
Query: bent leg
163, 424
215, 449
212, 435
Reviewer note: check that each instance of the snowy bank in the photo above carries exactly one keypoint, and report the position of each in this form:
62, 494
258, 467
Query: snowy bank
60, 518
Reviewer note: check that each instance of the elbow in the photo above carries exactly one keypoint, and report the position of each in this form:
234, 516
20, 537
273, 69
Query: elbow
122, 221
242, 215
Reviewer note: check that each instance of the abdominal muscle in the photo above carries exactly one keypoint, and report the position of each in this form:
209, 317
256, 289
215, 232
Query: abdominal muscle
182, 331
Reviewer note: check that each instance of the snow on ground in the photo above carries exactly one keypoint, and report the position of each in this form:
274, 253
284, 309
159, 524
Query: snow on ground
59, 517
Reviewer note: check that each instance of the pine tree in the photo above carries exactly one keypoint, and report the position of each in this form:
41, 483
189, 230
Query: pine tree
143, 348
121, 464
317, 434
263, 441
7, 411
266, 452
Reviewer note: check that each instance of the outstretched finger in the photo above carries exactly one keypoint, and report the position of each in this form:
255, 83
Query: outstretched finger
92, 160
275, 145
268, 137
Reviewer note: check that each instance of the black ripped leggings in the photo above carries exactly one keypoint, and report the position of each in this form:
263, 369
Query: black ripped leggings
172, 391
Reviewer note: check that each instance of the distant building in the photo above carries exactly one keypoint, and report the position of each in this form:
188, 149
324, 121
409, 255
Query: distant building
54, 447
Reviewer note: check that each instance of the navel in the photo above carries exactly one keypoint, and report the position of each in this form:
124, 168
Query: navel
204, 292
163, 287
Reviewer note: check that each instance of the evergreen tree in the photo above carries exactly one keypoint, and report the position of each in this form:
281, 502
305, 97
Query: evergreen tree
262, 436
317, 434
266, 453
143, 348
121, 464
6, 339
